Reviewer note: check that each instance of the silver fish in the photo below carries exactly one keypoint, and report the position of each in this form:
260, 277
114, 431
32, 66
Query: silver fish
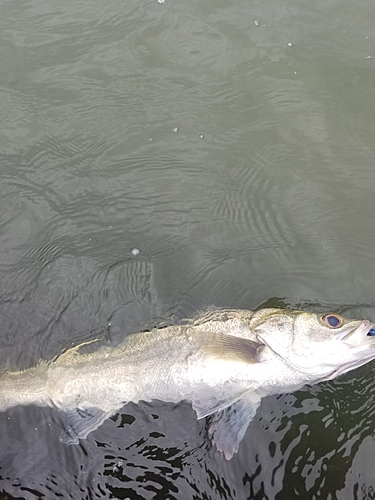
223, 362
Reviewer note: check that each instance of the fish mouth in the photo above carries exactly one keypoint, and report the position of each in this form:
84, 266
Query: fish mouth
361, 344
364, 334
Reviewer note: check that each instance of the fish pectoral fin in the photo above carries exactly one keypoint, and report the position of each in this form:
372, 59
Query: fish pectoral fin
228, 347
78, 423
228, 427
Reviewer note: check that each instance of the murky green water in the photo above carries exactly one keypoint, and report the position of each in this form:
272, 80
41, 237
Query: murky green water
232, 143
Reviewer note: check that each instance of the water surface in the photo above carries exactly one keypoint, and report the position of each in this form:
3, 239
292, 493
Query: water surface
232, 144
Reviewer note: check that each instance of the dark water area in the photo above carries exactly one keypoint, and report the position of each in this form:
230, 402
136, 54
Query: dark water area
231, 143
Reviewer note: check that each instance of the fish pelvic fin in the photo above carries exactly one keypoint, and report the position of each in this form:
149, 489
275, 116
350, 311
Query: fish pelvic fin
228, 427
78, 423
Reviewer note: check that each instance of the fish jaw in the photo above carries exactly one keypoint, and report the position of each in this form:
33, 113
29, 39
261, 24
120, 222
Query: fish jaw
359, 346
360, 336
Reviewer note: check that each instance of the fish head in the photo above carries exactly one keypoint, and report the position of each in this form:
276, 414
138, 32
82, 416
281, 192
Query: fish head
322, 346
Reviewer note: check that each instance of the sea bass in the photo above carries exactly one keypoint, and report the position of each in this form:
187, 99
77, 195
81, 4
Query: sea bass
223, 362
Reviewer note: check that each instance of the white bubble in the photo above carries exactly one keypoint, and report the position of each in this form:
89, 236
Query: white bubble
201, 136
368, 57
135, 251
175, 129
257, 23
290, 44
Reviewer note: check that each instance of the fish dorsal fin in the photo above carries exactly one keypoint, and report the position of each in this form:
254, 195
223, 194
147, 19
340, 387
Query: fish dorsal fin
220, 345
228, 426
74, 351
78, 423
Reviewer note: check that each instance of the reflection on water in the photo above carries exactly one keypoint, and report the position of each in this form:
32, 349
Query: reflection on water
232, 144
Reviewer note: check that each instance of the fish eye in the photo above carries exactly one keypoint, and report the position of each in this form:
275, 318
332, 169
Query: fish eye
331, 320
